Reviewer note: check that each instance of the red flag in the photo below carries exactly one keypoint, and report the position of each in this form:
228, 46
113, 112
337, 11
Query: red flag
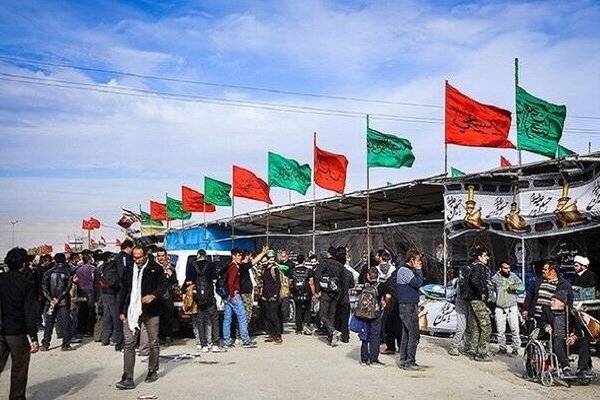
125, 222
158, 211
504, 163
68, 248
330, 170
249, 186
193, 200
94, 223
470, 123
85, 224
47, 249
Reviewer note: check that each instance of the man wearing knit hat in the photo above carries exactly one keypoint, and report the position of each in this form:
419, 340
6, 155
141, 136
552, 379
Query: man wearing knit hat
584, 277
566, 330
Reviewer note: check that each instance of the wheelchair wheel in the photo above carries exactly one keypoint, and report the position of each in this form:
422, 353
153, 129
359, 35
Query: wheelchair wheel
546, 378
535, 356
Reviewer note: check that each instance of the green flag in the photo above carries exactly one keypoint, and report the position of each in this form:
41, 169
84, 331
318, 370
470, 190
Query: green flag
539, 124
456, 172
216, 192
384, 150
175, 209
146, 221
289, 174
564, 152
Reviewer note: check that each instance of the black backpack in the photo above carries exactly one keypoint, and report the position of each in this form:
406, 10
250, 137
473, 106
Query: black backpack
204, 290
328, 283
108, 275
463, 281
221, 287
300, 280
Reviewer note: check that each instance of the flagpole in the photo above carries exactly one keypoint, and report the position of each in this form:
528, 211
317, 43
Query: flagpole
444, 233
204, 222
445, 142
167, 202
516, 111
89, 239
268, 217
314, 211
232, 222
368, 209
290, 197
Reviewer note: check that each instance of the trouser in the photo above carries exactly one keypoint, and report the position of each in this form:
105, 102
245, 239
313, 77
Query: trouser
581, 347
248, 300
152, 325
271, 318
461, 339
369, 349
62, 315
87, 316
303, 308
327, 307
393, 327
510, 315
112, 324
19, 349
481, 327
284, 311
342, 316
409, 316
235, 306
144, 342
167, 319
205, 319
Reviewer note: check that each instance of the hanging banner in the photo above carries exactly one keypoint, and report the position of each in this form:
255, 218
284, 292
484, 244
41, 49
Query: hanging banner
533, 206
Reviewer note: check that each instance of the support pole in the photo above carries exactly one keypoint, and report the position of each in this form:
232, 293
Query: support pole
368, 221
445, 143
268, 217
314, 205
232, 222
204, 223
523, 259
444, 234
516, 113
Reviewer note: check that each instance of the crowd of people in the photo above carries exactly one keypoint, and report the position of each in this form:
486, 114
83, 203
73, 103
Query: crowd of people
127, 300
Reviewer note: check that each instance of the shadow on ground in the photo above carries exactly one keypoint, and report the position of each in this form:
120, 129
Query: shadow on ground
62, 386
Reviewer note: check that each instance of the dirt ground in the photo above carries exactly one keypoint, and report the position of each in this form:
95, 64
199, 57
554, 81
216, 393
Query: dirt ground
302, 368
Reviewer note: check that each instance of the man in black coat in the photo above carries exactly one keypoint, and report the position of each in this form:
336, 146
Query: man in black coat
18, 320
140, 303
329, 280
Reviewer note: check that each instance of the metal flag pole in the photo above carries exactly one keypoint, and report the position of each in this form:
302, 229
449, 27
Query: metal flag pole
290, 197
444, 233
167, 209
232, 214
268, 217
204, 221
368, 221
314, 205
520, 163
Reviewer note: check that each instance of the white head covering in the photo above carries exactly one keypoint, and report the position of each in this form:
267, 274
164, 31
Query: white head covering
582, 260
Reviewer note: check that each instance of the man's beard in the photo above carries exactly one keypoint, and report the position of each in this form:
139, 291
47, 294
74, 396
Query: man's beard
505, 274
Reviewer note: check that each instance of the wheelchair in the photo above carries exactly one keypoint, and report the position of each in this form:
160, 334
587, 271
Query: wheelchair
541, 365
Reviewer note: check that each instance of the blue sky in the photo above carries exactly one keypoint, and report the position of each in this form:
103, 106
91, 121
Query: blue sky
68, 154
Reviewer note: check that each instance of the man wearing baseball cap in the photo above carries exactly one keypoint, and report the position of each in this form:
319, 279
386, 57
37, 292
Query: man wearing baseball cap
584, 277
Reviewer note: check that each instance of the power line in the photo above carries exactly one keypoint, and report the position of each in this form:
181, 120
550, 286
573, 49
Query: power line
144, 93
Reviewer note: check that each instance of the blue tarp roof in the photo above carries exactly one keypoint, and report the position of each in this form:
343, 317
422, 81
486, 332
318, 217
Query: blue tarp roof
208, 239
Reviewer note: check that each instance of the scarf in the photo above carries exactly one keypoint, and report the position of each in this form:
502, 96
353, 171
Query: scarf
135, 300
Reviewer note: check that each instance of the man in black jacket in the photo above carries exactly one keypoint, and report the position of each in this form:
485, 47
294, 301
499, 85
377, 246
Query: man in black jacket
18, 320
140, 303
56, 286
476, 294
342, 313
328, 276
539, 296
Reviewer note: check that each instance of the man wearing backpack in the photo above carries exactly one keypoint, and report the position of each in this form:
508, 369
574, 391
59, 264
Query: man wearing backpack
201, 274
110, 283
369, 310
342, 313
303, 289
476, 294
270, 297
409, 280
329, 278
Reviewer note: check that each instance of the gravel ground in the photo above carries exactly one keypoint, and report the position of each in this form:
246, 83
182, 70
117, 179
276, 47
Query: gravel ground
302, 367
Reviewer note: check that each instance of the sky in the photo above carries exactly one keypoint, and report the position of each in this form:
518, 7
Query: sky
67, 154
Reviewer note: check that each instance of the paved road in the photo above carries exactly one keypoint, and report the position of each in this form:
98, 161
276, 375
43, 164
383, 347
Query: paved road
302, 368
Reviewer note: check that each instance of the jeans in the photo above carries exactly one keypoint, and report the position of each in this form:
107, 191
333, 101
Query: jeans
481, 327
462, 336
208, 317
235, 306
410, 333
271, 318
303, 314
112, 324
342, 317
151, 324
369, 349
63, 315
19, 349
510, 315
327, 307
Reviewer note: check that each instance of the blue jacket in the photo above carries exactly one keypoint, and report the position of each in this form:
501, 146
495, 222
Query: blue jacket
408, 283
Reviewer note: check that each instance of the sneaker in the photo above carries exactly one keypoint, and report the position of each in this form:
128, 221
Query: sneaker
44, 348
278, 340
454, 352
125, 384
76, 340
67, 347
199, 347
269, 339
306, 331
298, 332
364, 363
502, 351
335, 338
412, 366
219, 349
229, 343
377, 364
483, 358
515, 352
249, 344
151, 377
204, 349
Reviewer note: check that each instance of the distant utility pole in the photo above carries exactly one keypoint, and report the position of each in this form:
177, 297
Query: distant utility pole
13, 223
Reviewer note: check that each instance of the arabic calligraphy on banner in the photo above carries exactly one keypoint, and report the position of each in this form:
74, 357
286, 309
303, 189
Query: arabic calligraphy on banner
543, 205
